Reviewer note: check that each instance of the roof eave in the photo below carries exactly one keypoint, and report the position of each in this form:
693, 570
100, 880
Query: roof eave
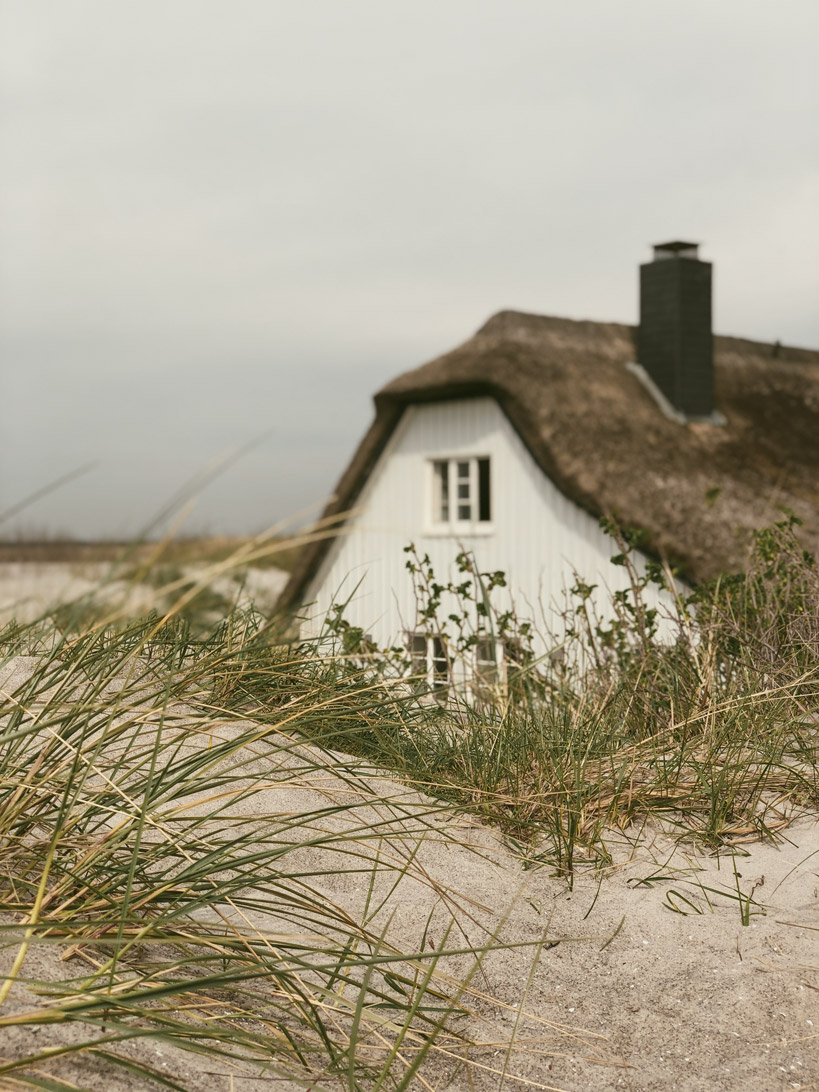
390, 406
342, 500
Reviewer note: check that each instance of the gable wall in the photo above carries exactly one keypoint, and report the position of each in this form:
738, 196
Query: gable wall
540, 537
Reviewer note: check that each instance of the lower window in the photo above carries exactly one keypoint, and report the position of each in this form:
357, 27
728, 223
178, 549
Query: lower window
486, 663
429, 662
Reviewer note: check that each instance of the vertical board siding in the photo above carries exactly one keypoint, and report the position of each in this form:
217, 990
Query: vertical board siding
539, 537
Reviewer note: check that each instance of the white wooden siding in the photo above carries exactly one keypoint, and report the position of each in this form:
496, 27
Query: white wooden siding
538, 537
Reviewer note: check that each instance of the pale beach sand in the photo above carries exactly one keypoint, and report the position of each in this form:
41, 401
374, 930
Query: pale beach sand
648, 980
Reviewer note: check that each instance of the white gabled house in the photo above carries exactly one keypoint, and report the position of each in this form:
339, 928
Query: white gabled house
512, 446
456, 475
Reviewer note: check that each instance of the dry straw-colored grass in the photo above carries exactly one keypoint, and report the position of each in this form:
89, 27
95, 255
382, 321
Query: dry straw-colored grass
134, 754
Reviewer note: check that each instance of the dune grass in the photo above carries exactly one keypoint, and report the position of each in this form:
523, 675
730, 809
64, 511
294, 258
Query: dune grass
708, 717
135, 754
132, 844
177, 551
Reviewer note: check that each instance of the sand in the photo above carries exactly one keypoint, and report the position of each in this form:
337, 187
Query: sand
629, 995
28, 589
649, 980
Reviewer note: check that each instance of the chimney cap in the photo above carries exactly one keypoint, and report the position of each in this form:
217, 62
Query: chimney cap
675, 249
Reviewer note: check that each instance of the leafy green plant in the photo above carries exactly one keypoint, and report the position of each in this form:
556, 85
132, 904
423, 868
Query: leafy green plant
699, 711
132, 750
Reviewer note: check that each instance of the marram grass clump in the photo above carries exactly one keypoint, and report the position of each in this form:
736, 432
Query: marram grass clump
704, 713
163, 857
175, 793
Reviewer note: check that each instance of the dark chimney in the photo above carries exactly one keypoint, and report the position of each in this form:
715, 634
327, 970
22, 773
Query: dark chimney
675, 343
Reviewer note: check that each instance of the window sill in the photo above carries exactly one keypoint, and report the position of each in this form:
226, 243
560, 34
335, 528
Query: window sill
459, 530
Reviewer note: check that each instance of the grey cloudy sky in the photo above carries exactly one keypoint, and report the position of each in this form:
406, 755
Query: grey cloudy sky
232, 220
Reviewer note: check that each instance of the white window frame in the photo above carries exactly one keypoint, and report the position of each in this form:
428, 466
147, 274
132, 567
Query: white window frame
434, 652
494, 657
434, 523
488, 660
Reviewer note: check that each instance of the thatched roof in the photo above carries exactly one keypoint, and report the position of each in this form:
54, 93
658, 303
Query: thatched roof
602, 439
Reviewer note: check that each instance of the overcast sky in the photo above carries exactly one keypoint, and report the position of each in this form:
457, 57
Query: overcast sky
226, 221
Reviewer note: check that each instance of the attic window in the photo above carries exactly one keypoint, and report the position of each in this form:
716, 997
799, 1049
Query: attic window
461, 491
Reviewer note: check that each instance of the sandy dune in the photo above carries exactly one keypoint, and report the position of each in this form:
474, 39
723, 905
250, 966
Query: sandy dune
649, 979
29, 589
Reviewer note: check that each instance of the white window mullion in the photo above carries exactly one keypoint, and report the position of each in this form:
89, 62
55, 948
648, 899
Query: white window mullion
464, 479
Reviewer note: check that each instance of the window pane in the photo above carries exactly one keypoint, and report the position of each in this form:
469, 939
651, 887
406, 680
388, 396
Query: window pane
513, 652
463, 470
464, 511
441, 498
463, 490
418, 653
439, 660
485, 663
484, 506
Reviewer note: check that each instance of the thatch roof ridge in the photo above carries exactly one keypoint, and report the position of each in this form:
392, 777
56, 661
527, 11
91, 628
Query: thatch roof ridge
556, 377
547, 334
